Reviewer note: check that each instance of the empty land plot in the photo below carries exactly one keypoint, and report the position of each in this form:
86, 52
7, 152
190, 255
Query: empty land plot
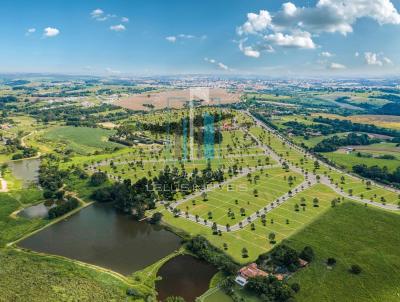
177, 99
256, 241
234, 201
360, 188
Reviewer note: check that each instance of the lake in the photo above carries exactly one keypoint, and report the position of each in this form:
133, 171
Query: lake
184, 276
101, 236
25, 169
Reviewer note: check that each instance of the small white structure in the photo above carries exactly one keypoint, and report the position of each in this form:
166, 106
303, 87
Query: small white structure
240, 280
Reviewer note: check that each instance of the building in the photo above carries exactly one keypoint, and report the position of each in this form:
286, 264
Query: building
249, 271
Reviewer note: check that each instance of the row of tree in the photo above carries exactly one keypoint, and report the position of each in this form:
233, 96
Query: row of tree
381, 174
334, 142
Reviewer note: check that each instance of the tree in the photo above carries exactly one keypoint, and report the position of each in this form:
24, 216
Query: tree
296, 207
315, 202
204, 196
242, 212
156, 218
98, 178
225, 245
271, 238
295, 286
355, 269
255, 192
245, 253
307, 254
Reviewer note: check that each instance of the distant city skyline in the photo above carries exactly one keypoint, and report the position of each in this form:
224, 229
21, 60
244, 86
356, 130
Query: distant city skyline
229, 37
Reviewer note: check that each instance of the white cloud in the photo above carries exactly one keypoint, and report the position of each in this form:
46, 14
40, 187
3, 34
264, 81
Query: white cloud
337, 66
255, 23
326, 54
289, 8
218, 64
98, 14
296, 40
118, 27
386, 60
112, 71
171, 39
376, 59
175, 38
51, 32
30, 31
222, 66
296, 26
357, 54
124, 19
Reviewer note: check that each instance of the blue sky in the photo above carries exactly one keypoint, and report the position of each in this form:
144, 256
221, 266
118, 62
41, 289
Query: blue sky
118, 37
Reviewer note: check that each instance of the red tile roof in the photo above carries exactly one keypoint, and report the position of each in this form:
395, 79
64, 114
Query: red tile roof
252, 271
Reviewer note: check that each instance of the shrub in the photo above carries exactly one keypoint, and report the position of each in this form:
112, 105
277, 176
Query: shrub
355, 269
307, 254
98, 178
295, 287
331, 261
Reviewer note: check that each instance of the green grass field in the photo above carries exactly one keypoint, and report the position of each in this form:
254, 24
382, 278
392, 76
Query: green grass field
81, 140
239, 194
29, 277
352, 234
12, 228
347, 161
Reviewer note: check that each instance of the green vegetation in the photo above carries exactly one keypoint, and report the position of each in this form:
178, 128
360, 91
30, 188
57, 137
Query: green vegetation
82, 140
353, 235
30, 277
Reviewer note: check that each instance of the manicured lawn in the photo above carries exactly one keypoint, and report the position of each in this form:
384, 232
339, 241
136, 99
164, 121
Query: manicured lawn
359, 188
256, 241
239, 194
352, 234
82, 140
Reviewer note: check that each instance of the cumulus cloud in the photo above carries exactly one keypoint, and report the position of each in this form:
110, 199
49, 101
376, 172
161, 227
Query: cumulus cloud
295, 27
336, 66
220, 65
376, 59
118, 27
255, 23
124, 19
326, 54
295, 40
51, 32
99, 15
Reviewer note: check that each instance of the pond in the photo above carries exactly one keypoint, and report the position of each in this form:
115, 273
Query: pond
25, 169
40, 210
184, 276
101, 236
